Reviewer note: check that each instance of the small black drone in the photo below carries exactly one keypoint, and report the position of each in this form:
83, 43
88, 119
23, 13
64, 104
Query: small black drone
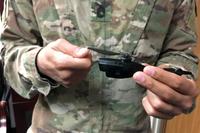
124, 66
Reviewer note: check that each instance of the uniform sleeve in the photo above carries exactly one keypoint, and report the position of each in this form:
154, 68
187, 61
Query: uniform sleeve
22, 41
181, 39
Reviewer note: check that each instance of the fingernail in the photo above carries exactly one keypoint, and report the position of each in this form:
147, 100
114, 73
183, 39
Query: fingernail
139, 77
81, 51
150, 70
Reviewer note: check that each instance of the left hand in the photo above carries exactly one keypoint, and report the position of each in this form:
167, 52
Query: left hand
168, 94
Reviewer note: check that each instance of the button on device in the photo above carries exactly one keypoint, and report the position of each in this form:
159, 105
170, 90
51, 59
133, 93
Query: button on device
100, 10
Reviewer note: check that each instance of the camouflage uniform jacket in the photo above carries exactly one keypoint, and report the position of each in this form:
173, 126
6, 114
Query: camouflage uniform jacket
154, 31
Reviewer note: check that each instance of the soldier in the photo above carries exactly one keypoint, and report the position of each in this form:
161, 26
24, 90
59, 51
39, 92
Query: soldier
45, 52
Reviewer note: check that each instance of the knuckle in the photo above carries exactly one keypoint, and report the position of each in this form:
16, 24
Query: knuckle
151, 112
169, 96
178, 82
58, 65
87, 65
149, 84
195, 91
157, 104
188, 104
55, 59
61, 40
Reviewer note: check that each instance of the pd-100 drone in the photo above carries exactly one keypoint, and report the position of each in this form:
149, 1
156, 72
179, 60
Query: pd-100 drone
124, 66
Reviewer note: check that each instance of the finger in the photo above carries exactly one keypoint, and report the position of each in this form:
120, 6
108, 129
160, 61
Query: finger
179, 83
152, 112
163, 91
66, 47
162, 106
63, 61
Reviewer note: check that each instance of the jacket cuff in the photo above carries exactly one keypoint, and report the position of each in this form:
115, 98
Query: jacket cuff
182, 62
29, 70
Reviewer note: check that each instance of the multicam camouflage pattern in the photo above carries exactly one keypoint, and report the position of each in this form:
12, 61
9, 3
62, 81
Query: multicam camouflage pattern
154, 31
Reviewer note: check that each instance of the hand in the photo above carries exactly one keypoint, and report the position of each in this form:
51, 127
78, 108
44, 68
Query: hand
168, 94
63, 62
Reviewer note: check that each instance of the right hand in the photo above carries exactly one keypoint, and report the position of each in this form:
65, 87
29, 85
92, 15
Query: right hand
63, 62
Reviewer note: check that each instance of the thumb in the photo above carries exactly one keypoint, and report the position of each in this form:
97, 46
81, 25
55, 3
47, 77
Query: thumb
81, 53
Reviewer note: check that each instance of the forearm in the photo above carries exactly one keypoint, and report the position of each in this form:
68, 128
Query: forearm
20, 70
21, 45
181, 40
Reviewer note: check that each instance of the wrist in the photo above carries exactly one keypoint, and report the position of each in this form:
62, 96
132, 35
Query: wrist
43, 76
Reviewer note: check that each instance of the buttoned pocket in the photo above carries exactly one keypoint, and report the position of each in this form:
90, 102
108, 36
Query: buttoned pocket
101, 10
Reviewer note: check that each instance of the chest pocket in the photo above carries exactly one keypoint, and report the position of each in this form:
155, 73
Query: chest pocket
101, 10
69, 25
58, 19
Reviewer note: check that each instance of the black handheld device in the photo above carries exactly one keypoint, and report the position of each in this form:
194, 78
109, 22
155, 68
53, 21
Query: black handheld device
124, 67
119, 68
